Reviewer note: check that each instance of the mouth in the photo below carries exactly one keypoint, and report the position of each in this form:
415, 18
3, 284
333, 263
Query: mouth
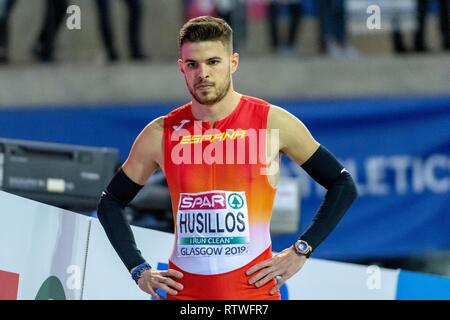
204, 86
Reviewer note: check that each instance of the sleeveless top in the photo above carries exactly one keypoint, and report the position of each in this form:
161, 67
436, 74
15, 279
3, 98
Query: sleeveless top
221, 199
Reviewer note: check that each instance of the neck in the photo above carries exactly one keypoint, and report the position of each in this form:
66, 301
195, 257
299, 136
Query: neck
216, 111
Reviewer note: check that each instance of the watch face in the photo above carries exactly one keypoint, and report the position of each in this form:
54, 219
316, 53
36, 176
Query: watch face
302, 246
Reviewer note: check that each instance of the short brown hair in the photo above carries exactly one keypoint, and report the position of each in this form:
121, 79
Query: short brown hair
206, 28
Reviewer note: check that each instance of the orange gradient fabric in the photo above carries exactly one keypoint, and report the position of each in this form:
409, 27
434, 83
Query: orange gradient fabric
223, 164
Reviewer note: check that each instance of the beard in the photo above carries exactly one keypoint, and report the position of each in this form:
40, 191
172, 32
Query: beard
211, 96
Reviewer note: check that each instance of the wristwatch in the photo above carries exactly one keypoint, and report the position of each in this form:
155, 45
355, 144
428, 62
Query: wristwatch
302, 247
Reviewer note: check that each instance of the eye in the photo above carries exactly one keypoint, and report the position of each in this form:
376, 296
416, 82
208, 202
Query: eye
213, 62
190, 65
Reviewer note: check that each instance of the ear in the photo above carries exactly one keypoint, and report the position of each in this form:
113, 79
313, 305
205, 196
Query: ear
181, 66
234, 62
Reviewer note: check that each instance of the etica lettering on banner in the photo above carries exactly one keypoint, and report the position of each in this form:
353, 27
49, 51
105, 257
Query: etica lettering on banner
386, 176
213, 223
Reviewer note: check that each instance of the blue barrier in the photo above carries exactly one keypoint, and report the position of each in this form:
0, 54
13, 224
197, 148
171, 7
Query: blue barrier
419, 286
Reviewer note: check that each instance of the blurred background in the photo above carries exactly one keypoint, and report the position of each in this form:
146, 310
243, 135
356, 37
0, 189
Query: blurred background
370, 79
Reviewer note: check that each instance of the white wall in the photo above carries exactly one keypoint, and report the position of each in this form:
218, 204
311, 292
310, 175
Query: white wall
106, 275
38, 241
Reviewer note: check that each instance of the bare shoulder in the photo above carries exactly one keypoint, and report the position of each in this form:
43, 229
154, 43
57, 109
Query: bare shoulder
154, 127
151, 138
146, 152
288, 125
279, 117
277, 111
294, 137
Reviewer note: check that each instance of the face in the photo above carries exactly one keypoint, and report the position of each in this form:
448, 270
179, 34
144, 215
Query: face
207, 68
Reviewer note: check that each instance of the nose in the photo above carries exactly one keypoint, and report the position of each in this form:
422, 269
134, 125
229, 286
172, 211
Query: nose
202, 71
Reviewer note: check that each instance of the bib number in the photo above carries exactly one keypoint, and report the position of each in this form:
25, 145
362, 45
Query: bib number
211, 224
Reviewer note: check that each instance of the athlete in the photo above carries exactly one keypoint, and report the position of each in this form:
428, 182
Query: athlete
220, 155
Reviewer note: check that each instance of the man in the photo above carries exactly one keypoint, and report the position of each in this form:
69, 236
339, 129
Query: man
419, 38
295, 14
220, 155
444, 24
43, 49
134, 29
6, 7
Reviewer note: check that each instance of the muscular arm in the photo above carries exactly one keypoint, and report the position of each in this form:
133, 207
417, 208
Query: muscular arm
146, 153
299, 145
144, 158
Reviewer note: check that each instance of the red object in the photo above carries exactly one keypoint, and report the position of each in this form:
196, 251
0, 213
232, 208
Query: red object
9, 285
196, 8
229, 182
256, 10
232, 285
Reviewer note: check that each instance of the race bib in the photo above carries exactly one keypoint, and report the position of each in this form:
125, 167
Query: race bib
213, 223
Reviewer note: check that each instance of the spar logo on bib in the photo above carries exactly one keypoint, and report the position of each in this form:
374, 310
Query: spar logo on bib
213, 200
235, 201
213, 223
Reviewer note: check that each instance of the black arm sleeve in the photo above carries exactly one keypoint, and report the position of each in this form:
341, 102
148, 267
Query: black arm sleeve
326, 170
120, 191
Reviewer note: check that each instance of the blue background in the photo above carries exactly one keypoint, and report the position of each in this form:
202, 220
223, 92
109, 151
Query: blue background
375, 226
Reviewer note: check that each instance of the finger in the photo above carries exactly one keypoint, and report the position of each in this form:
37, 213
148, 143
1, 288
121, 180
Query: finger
260, 275
172, 283
259, 266
277, 287
153, 293
157, 296
170, 291
266, 279
172, 273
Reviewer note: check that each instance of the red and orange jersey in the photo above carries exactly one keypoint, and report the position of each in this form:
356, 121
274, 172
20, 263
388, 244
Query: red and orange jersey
222, 200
